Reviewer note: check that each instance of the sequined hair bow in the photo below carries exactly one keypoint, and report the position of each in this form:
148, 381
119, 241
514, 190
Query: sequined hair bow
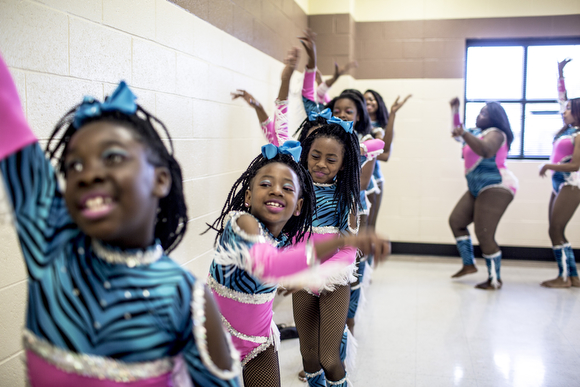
291, 147
327, 114
122, 100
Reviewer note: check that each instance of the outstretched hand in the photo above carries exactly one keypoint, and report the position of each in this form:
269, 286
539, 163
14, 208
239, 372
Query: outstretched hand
543, 170
370, 243
338, 71
291, 62
454, 103
308, 42
247, 97
561, 66
397, 105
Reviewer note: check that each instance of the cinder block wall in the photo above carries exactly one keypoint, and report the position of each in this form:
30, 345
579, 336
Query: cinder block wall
181, 67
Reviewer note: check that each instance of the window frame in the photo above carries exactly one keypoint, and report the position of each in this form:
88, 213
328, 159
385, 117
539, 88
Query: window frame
517, 42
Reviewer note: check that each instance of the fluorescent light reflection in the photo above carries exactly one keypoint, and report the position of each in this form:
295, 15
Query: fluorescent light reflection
523, 370
457, 375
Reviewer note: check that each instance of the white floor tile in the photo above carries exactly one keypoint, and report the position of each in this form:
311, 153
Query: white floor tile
422, 328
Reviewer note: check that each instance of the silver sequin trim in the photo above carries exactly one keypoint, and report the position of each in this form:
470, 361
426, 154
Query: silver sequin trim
325, 230
244, 298
95, 366
200, 333
256, 351
130, 259
314, 374
338, 382
233, 216
240, 335
323, 185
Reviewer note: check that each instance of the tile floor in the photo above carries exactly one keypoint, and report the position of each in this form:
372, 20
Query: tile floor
420, 328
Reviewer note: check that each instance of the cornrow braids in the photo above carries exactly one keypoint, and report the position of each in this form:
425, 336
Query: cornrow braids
171, 221
347, 192
363, 125
382, 111
297, 226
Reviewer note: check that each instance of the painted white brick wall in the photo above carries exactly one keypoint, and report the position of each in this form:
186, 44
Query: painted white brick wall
181, 68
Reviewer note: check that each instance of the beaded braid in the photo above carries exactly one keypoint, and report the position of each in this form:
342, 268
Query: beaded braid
347, 192
382, 111
171, 222
363, 125
297, 226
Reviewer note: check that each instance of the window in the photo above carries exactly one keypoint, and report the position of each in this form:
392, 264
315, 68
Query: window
522, 75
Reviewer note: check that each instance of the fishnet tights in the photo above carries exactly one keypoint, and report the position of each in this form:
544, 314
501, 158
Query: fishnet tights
320, 325
263, 370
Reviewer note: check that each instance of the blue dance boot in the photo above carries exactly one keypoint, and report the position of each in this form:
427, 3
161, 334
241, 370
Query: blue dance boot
563, 280
339, 383
465, 248
316, 379
493, 263
571, 260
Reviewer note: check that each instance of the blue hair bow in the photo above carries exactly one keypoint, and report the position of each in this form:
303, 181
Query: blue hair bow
122, 100
291, 147
346, 125
326, 114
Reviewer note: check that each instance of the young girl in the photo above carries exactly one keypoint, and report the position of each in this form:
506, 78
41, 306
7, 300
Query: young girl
491, 188
564, 164
383, 126
106, 306
269, 207
331, 156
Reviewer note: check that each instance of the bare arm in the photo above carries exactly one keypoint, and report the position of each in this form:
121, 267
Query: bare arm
389, 130
572, 166
291, 61
308, 41
338, 72
366, 173
485, 147
262, 115
217, 344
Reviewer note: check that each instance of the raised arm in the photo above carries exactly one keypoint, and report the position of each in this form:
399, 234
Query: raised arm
389, 130
562, 95
253, 102
324, 86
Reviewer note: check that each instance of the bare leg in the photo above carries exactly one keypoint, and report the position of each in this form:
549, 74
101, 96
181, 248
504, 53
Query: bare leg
490, 206
562, 208
460, 218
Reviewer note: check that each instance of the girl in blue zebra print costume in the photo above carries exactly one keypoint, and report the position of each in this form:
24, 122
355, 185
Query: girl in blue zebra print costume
106, 305
269, 207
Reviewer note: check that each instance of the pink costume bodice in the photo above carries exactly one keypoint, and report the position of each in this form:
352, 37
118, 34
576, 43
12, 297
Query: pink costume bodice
472, 159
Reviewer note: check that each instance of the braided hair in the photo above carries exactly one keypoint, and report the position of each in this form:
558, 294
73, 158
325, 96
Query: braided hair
171, 221
347, 192
297, 226
303, 130
382, 111
363, 125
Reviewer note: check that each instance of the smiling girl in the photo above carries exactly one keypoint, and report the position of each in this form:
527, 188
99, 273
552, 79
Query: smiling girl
270, 207
106, 305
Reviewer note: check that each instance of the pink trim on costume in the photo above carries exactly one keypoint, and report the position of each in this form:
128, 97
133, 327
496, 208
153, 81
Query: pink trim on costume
15, 133
322, 93
43, 374
563, 149
308, 84
272, 263
276, 131
373, 148
562, 95
456, 120
248, 319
